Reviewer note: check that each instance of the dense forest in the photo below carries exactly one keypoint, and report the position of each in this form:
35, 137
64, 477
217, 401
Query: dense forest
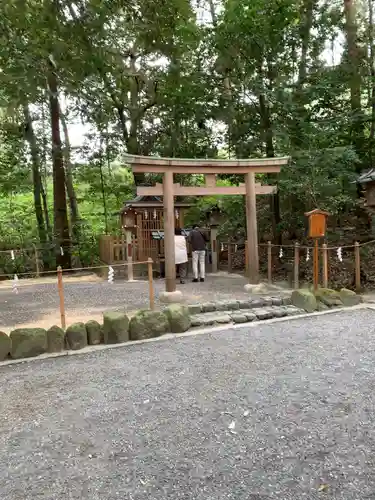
200, 78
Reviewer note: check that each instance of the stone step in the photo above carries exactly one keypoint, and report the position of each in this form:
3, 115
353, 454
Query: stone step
235, 305
243, 315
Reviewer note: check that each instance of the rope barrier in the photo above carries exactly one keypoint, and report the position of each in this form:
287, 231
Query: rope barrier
306, 247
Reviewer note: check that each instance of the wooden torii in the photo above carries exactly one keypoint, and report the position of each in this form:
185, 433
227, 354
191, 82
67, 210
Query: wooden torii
210, 169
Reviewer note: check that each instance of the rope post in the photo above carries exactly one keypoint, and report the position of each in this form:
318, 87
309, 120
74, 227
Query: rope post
269, 262
37, 269
129, 255
151, 283
60, 286
357, 257
229, 257
325, 265
296, 265
316, 264
246, 259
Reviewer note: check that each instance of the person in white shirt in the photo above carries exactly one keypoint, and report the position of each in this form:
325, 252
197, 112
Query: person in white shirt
180, 254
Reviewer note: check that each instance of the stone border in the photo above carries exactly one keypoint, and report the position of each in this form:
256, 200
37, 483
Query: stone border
171, 336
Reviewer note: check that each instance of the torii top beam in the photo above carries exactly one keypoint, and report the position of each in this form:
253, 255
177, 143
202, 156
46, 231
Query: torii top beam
151, 164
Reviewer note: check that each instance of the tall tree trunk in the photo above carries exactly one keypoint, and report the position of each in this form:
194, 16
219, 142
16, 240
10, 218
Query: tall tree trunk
354, 59
267, 134
372, 80
300, 116
74, 212
61, 225
37, 181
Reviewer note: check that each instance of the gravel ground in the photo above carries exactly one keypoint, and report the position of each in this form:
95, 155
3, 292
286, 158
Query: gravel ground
34, 302
273, 412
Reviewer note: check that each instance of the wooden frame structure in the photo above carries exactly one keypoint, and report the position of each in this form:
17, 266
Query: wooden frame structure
210, 169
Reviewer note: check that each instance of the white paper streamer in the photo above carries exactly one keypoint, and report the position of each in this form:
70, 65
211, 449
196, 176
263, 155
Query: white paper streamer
222, 247
154, 214
111, 274
61, 251
281, 253
146, 214
235, 248
177, 215
15, 284
339, 254
12, 254
307, 255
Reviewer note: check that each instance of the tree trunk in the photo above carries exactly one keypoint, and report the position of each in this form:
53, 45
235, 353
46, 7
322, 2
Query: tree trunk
372, 81
37, 181
354, 58
306, 15
74, 212
61, 226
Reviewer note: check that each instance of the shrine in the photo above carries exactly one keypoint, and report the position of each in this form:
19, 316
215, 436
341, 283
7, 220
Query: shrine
210, 168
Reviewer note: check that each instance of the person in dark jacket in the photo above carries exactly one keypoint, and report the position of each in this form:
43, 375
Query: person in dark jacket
198, 245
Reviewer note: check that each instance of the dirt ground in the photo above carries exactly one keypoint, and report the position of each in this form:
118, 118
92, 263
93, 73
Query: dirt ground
87, 297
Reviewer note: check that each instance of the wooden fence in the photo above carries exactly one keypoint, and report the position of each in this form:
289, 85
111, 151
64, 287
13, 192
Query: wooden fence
229, 251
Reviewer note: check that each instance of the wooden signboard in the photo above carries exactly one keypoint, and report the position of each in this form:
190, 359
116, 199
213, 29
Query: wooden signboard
317, 223
317, 229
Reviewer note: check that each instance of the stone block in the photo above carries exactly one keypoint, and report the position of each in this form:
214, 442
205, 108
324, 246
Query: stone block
279, 312
28, 342
244, 304
195, 308
239, 318
94, 332
267, 301
250, 316
146, 324
263, 313
76, 336
178, 318
5, 346
55, 339
115, 327
208, 307
329, 297
277, 301
287, 301
349, 298
304, 299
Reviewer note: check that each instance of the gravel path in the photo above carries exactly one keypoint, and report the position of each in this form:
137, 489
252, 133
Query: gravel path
273, 412
35, 302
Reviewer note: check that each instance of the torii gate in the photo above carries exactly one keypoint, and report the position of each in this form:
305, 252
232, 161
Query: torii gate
210, 169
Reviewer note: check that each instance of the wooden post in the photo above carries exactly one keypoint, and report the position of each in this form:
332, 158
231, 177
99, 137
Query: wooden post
129, 255
229, 257
60, 286
170, 268
246, 260
357, 257
296, 265
214, 252
37, 269
325, 265
151, 283
252, 230
316, 264
269, 262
